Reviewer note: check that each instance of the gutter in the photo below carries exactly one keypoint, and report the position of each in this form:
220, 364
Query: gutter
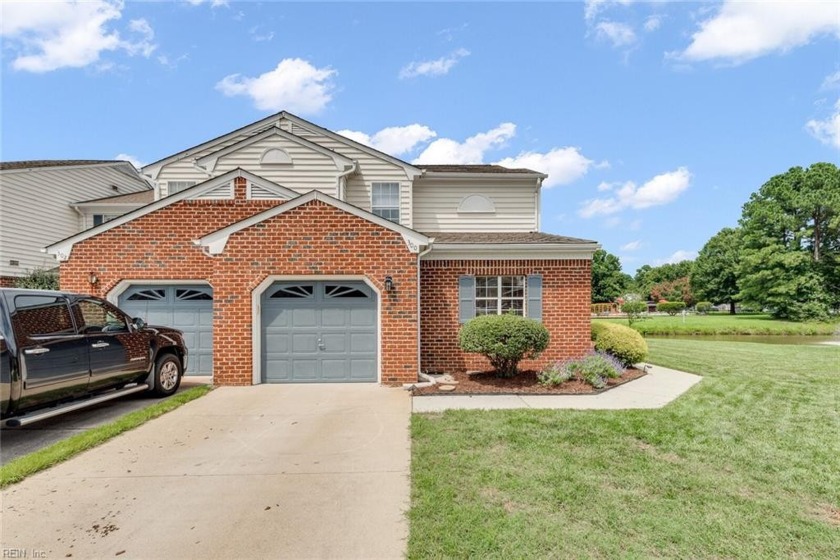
341, 184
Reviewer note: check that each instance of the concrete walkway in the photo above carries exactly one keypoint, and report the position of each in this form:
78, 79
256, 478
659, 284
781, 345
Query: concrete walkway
270, 471
659, 387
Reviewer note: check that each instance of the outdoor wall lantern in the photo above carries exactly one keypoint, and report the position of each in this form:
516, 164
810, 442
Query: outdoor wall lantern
92, 278
389, 284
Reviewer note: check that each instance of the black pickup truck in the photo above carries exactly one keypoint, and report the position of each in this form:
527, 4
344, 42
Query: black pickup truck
62, 351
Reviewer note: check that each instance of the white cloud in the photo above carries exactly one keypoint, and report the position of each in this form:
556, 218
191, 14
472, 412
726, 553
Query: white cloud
832, 81
295, 85
591, 8
652, 23
47, 36
677, 256
604, 186
827, 131
741, 31
131, 159
662, 189
213, 3
259, 36
437, 67
632, 246
471, 150
562, 165
394, 140
619, 34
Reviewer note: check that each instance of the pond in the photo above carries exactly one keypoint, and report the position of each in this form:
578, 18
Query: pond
761, 338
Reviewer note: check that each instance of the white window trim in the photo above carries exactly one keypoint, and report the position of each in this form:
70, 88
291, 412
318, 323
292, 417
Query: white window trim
500, 298
398, 207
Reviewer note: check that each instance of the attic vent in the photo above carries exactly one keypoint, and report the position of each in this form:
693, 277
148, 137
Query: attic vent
476, 204
223, 192
275, 156
259, 193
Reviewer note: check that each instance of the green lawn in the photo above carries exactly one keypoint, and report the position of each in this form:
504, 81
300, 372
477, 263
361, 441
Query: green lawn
725, 324
745, 465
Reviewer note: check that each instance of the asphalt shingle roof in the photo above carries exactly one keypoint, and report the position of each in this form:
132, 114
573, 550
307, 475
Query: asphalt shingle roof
9, 165
513, 238
478, 168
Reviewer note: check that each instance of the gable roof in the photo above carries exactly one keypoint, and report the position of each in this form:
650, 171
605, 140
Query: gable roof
272, 120
62, 248
275, 130
215, 242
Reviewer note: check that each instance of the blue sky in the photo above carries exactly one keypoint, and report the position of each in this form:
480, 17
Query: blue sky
655, 120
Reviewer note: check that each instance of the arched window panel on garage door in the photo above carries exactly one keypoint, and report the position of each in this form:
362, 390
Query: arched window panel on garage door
190, 294
341, 291
150, 294
294, 291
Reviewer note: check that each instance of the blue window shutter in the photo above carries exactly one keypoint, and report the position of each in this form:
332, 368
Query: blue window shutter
466, 298
535, 297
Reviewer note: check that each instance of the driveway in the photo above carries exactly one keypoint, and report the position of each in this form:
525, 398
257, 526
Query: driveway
17, 442
271, 471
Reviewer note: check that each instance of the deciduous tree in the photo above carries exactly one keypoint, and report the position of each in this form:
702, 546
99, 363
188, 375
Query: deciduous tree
715, 270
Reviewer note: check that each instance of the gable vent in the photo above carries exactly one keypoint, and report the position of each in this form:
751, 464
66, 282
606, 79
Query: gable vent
259, 193
223, 192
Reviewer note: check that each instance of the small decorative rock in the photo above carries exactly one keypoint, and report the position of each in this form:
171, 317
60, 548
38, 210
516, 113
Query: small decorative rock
447, 388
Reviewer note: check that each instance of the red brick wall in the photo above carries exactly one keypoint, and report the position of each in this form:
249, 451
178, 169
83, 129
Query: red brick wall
8, 281
313, 239
565, 309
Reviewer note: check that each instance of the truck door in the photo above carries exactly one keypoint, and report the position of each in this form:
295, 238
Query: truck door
53, 356
118, 353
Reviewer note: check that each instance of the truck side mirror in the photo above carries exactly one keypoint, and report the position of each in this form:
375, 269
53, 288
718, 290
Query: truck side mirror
138, 323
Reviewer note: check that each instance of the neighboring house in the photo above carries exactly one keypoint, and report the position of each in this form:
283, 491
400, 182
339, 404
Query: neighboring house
289, 253
42, 202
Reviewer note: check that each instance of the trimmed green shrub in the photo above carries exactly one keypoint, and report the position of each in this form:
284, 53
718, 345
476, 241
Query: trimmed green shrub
624, 343
670, 307
505, 340
634, 310
38, 279
703, 307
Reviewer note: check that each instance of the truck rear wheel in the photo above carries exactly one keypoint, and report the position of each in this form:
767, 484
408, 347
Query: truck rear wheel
167, 375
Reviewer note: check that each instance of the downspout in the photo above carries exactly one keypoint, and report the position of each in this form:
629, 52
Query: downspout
420, 256
341, 186
81, 214
538, 201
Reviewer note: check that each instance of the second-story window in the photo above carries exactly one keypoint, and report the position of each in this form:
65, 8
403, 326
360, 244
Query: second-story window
385, 200
99, 219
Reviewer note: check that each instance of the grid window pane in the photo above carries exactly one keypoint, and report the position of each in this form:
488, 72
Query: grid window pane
499, 294
385, 200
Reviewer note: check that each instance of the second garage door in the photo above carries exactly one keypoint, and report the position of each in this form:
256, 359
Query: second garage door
188, 308
319, 332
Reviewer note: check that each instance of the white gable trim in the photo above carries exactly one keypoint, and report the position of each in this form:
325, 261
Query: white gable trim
410, 171
215, 242
209, 161
63, 248
153, 169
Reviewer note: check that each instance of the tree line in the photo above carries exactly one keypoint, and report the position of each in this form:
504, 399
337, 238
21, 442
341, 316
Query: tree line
784, 255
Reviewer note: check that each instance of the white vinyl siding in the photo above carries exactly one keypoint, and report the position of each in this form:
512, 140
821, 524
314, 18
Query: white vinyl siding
178, 186
436, 204
35, 209
309, 170
385, 200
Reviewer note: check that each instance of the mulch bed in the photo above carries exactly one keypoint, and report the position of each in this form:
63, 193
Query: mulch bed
486, 383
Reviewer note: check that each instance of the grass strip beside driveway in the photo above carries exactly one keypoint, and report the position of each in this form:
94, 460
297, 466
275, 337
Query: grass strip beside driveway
23, 467
744, 465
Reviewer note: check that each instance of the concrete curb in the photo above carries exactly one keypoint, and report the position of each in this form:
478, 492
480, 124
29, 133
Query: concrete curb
654, 390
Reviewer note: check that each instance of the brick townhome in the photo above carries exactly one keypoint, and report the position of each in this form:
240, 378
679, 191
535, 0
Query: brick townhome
289, 253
